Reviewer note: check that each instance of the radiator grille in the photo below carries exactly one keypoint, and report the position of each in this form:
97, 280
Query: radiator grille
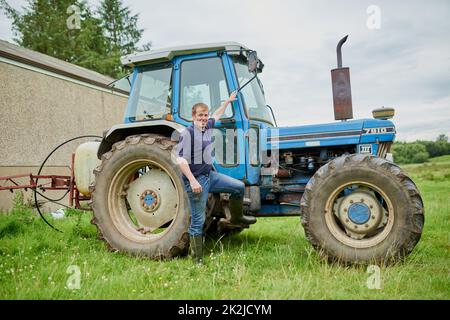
383, 149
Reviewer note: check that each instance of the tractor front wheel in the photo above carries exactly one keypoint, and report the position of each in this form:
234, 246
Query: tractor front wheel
362, 209
138, 199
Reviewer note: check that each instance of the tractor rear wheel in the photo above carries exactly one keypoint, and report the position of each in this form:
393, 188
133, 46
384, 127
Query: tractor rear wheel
362, 209
138, 199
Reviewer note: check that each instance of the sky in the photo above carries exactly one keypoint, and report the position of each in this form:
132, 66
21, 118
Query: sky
398, 52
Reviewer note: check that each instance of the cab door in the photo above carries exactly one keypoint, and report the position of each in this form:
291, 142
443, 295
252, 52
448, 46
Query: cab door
251, 97
206, 78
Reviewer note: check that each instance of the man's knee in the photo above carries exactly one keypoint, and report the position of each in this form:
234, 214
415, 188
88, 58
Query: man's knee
239, 189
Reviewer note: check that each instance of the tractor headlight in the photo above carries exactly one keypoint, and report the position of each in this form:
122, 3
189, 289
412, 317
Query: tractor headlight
383, 113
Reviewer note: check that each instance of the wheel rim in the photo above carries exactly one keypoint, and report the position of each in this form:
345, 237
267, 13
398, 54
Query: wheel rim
140, 207
359, 214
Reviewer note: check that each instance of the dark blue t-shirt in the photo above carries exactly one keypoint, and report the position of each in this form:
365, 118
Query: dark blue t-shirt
196, 147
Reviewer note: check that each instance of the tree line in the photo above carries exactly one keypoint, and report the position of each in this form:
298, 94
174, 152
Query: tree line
71, 30
420, 150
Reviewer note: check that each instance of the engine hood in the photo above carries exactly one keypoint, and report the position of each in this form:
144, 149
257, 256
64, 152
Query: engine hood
331, 134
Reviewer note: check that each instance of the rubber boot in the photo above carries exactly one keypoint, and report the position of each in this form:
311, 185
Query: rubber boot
237, 213
196, 244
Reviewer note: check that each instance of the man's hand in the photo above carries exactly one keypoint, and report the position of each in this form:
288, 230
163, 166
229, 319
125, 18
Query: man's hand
232, 96
219, 112
184, 166
195, 186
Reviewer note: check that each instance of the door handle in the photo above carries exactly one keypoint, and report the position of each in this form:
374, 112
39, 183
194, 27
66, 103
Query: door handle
227, 121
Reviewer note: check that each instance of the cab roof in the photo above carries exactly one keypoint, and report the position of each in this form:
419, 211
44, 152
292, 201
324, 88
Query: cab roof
167, 54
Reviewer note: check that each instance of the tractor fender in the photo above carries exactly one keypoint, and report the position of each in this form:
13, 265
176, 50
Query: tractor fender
121, 131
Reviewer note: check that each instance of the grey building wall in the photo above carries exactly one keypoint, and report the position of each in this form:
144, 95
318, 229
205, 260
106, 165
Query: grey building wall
39, 110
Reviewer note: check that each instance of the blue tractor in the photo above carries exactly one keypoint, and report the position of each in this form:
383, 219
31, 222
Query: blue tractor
355, 204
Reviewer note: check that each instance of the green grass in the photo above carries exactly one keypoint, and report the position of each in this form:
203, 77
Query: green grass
271, 260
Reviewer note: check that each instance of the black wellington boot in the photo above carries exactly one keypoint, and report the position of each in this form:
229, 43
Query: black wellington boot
196, 244
237, 214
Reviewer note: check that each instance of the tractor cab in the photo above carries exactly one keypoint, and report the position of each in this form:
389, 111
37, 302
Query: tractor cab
166, 83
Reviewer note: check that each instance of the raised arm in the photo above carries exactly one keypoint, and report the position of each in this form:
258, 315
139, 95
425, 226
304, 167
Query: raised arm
219, 112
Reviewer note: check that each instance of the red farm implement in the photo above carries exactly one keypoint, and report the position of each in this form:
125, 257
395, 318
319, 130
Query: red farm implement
45, 183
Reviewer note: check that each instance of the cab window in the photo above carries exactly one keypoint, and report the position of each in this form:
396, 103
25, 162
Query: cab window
203, 80
152, 93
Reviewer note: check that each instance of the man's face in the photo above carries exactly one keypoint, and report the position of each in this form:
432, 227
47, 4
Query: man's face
200, 117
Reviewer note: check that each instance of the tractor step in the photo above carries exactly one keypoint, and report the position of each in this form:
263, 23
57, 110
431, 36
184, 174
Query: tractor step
226, 224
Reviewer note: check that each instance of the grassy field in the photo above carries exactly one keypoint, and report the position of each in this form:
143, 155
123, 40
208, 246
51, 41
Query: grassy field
271, 260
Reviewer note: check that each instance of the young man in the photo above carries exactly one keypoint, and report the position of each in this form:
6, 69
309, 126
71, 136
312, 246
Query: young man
195, 161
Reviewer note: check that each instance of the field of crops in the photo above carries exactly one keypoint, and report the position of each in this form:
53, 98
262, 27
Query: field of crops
271, 260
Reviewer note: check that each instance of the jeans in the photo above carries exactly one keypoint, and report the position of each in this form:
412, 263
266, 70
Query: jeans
213, 183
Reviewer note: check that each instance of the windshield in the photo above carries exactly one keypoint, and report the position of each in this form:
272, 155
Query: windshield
253, 94
151, 97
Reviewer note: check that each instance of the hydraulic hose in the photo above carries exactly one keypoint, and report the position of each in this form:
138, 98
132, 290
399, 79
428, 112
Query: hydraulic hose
39, 172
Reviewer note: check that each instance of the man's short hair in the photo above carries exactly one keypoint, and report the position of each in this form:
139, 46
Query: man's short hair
199, 105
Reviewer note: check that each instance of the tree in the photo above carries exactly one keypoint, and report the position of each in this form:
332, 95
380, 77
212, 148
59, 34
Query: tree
119, 26
96, 41
405, 152
120, 29
44, 27
442, 137
437, 148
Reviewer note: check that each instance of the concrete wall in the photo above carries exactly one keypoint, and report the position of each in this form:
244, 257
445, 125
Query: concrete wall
38, 111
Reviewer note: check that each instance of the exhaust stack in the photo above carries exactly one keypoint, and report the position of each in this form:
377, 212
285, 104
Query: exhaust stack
342, 94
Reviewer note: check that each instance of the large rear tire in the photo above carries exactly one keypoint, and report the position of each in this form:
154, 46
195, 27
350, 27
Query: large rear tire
138, 199
362, 209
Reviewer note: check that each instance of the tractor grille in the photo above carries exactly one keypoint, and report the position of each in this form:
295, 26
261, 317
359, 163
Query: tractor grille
383, 149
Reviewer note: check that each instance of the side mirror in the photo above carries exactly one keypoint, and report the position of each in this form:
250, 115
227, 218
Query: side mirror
252, 61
